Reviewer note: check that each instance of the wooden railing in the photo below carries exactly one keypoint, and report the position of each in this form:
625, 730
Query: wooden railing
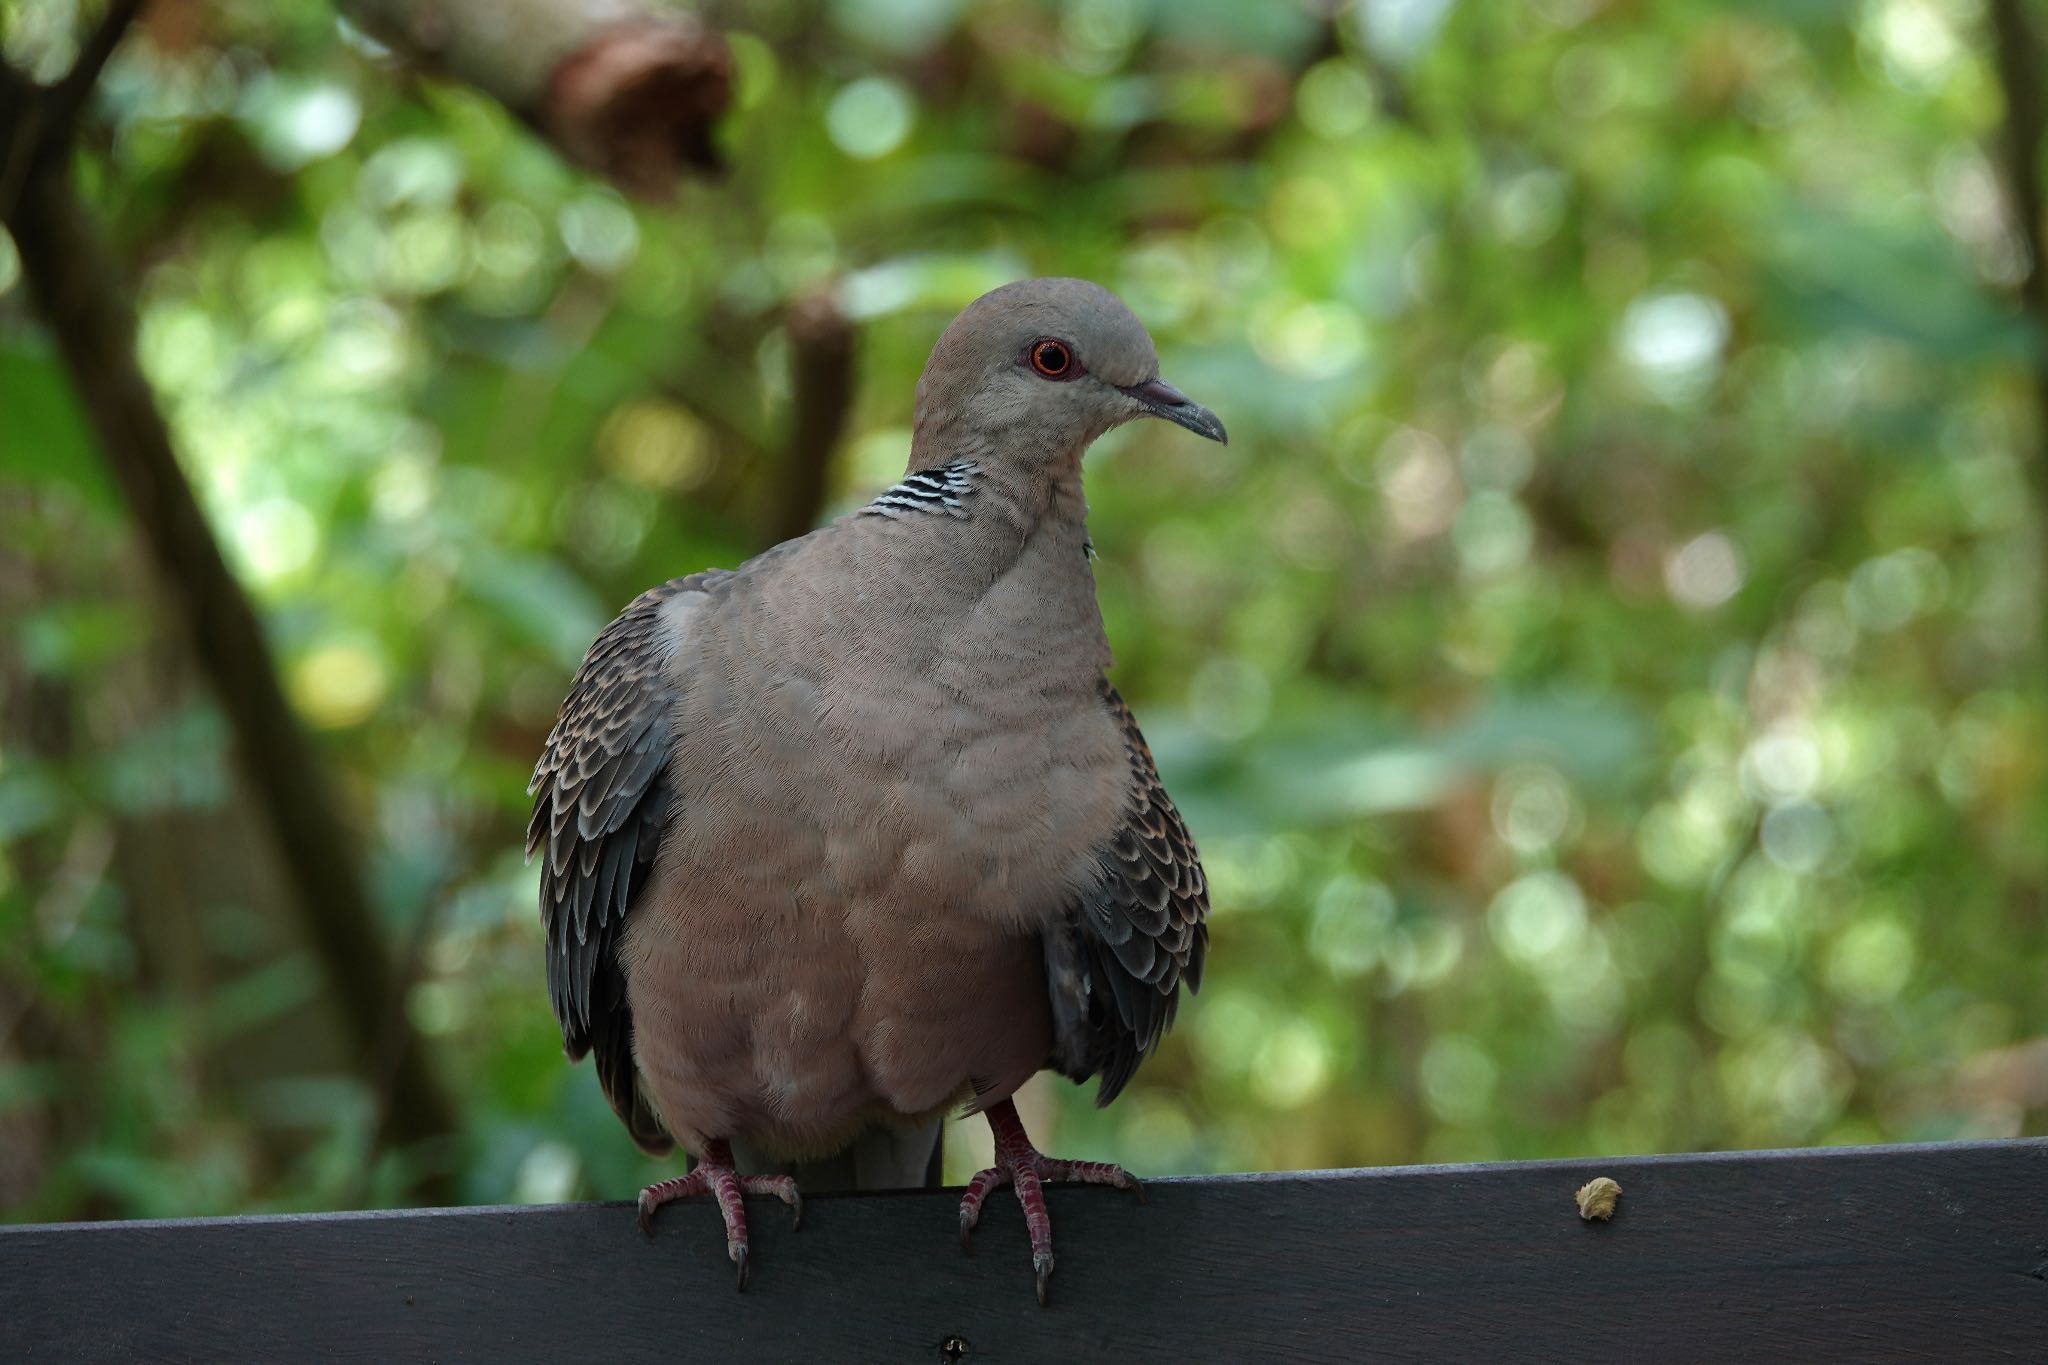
1933, 1252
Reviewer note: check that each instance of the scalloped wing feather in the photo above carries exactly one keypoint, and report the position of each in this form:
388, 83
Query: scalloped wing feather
1116, 963
601, 803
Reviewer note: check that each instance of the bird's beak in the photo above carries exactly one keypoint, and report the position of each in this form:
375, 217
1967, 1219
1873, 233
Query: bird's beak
1162, 399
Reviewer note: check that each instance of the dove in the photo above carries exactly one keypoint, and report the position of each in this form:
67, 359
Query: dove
859, 833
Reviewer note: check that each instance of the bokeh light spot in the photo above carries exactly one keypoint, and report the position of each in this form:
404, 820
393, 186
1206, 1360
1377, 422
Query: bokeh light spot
340, 683
870, 117
1704, 572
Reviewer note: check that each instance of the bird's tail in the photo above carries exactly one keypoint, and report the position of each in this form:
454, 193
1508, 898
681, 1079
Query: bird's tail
881, 1158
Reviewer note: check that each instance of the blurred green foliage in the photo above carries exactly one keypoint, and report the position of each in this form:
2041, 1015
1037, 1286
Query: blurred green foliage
1603, 672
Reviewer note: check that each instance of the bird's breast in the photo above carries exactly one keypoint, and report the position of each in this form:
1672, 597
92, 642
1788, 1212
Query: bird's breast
886, 736
881, 795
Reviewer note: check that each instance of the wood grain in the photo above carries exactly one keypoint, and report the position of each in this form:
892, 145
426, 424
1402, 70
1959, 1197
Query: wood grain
1901, 1253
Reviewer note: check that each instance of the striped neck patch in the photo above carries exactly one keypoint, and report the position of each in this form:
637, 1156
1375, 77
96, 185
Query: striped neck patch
942, 490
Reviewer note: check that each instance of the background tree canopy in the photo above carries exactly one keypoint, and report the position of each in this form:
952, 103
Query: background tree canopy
1604, 672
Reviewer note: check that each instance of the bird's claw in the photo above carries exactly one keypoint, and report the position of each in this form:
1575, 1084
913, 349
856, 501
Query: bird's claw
662, 1191
647, 1208
715, 1176
1026, 1170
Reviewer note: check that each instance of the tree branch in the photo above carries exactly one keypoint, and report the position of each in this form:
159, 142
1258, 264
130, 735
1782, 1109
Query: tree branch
821, 345
44, 119
631, 93
2026, 120
67, 98
75, 284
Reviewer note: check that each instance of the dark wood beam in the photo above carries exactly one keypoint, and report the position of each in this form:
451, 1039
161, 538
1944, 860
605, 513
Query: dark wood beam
1886, 1253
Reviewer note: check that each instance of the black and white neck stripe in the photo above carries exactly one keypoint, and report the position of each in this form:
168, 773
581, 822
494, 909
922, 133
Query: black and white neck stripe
943, 491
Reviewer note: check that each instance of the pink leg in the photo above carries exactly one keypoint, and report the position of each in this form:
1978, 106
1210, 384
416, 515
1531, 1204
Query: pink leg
1020, 1164
715, 1175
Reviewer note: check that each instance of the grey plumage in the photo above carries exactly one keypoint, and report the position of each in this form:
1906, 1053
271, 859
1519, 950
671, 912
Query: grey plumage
859, 831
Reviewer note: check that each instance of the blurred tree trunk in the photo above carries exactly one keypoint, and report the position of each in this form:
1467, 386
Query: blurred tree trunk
76, 287
2017, 49
626, 91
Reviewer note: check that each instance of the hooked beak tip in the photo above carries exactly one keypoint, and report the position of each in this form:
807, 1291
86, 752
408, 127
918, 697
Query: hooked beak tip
1162, 399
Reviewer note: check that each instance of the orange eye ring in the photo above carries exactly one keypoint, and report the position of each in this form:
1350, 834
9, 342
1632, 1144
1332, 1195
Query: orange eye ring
1052, 358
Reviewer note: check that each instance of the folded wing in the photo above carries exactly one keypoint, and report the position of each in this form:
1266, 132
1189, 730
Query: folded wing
602, 800
1117, 960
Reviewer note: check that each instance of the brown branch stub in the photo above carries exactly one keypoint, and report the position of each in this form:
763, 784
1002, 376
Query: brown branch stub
630, 92
639, 102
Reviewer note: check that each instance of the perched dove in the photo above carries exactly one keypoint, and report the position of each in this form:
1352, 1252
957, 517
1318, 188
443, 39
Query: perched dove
859, 831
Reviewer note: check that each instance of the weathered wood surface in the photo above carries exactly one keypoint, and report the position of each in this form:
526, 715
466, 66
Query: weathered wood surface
1928, 1253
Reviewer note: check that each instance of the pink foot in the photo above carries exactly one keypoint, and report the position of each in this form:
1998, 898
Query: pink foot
1020, 1164
715, 1175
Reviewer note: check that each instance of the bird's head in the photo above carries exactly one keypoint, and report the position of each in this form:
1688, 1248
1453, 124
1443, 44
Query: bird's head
1036, 370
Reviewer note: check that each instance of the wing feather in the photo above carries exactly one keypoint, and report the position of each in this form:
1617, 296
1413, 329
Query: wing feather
601, 801
1116, 963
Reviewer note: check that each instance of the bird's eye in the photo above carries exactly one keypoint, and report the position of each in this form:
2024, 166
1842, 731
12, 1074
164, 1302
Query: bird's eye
1051, 358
